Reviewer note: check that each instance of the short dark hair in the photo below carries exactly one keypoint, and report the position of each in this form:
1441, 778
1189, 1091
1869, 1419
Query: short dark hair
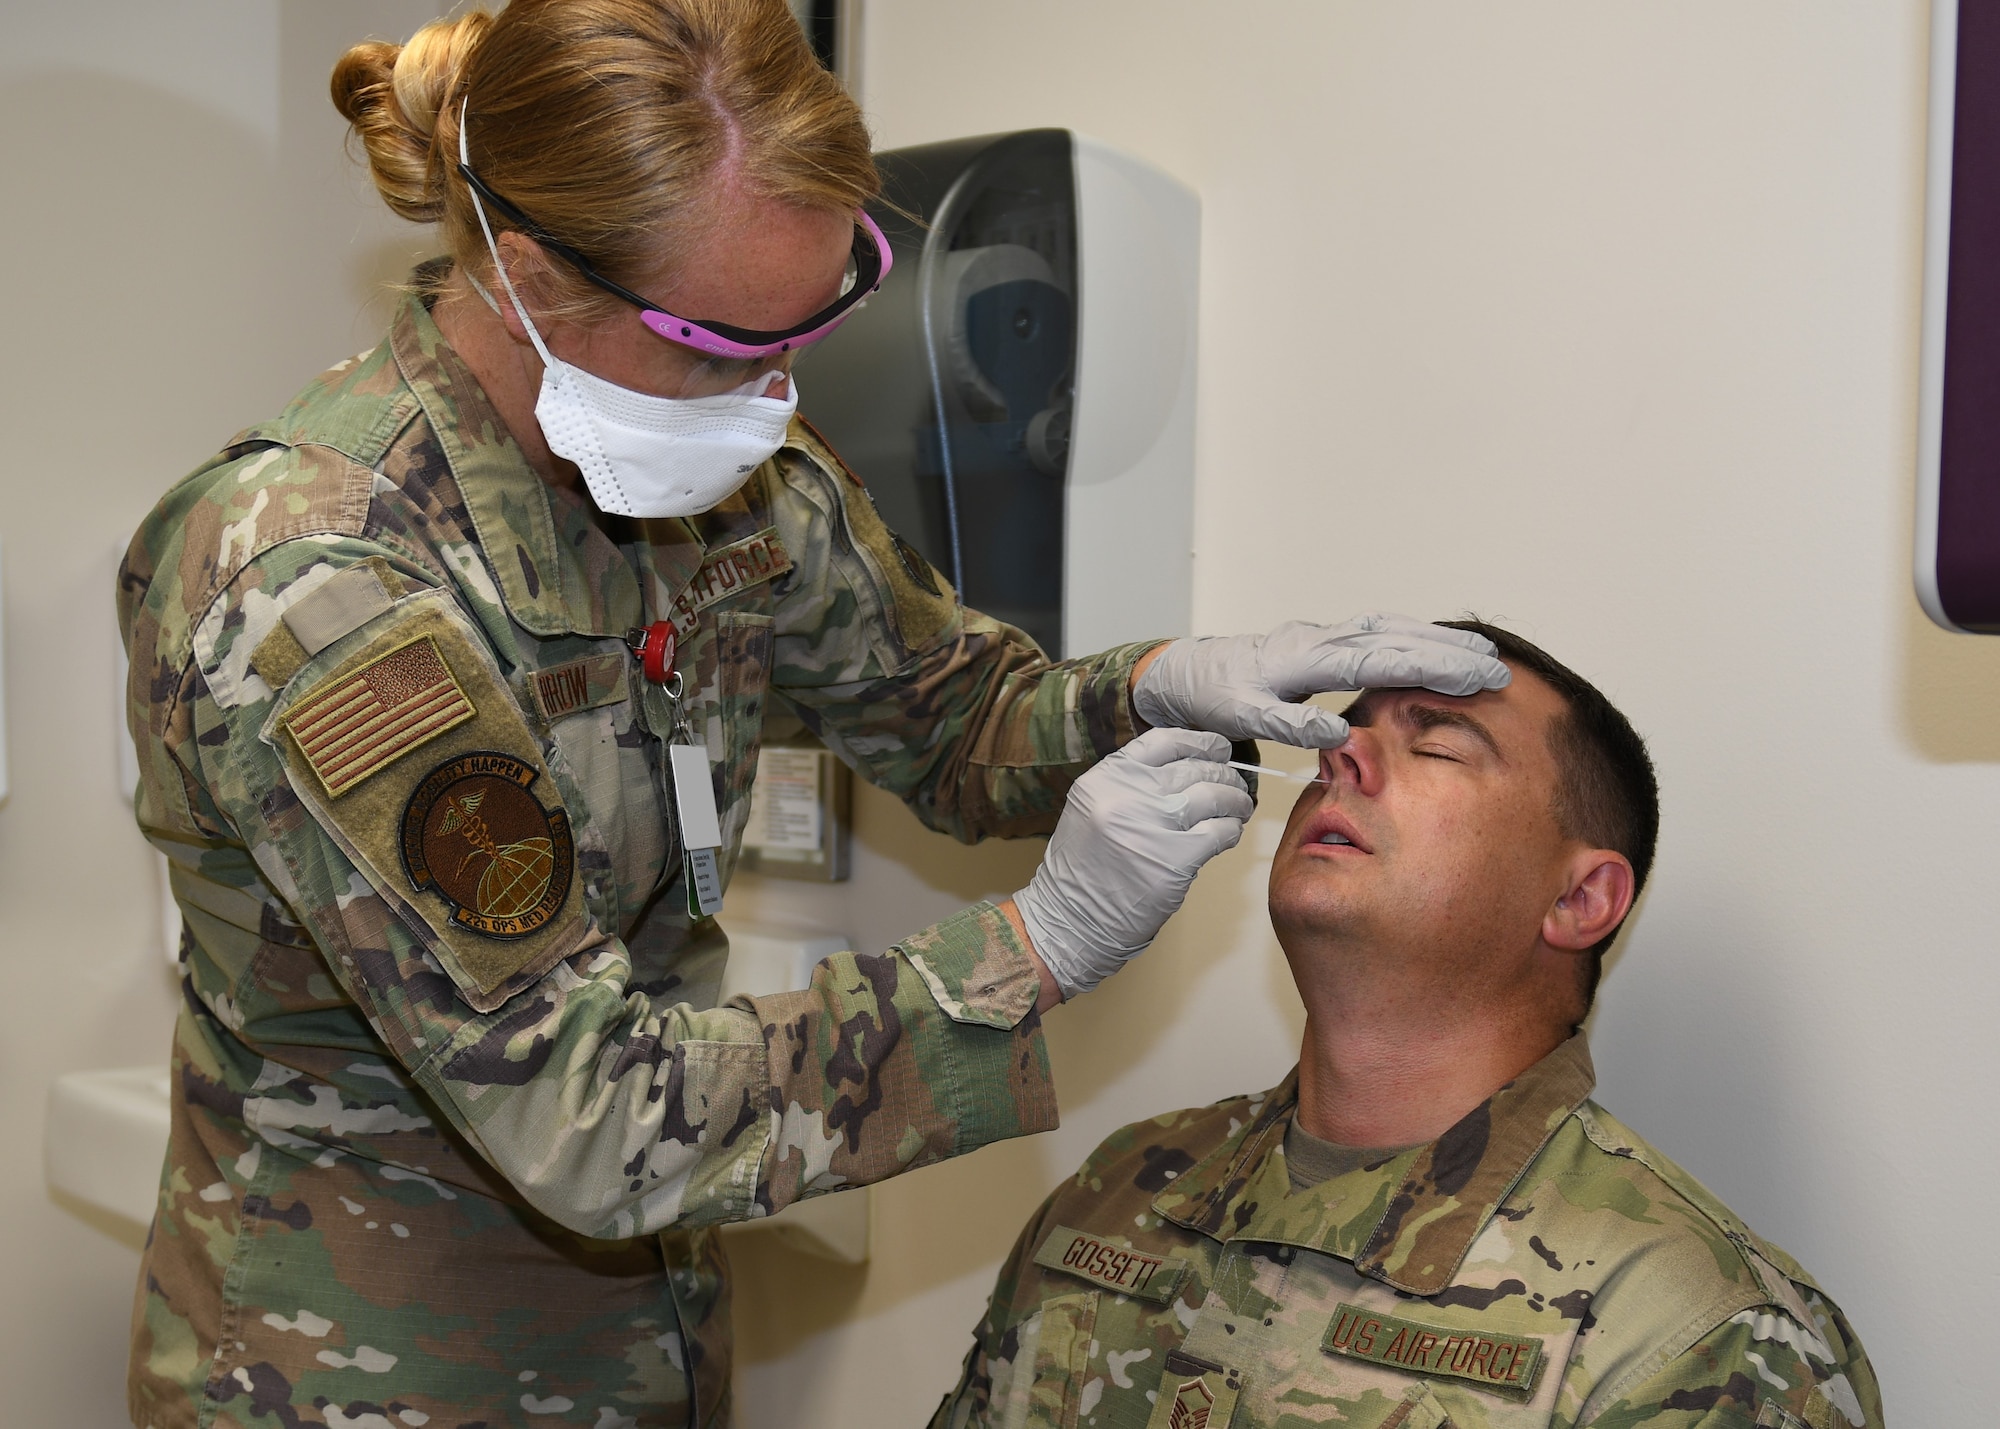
1606, 792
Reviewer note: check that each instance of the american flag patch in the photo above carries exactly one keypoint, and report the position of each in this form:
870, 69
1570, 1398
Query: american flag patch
378, 714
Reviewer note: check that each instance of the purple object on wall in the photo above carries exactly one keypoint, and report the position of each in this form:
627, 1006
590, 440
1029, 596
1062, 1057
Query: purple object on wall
1958, 515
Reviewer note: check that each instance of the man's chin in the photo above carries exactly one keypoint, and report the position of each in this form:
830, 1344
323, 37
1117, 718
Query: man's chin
1308, 902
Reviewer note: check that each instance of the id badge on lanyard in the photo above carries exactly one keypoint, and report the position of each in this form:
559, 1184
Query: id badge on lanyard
694, 789
694, 804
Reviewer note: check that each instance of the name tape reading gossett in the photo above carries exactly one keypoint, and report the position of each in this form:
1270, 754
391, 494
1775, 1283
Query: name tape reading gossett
1116, 1267
740, 564
1495, 1361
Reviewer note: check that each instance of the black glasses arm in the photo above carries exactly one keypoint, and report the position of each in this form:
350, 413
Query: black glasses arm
555, 245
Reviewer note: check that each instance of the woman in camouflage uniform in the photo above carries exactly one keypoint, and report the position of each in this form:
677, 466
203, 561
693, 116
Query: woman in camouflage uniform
456, 1104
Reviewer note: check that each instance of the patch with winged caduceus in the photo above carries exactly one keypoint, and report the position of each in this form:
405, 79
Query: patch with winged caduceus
474, 834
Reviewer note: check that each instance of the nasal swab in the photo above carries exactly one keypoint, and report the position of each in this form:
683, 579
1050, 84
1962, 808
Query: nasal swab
1276, 773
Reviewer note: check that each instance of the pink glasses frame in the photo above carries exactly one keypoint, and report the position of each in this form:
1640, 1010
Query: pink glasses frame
725, 341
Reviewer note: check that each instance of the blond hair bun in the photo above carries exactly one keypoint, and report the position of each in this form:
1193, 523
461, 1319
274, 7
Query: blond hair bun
395, 97
611, 121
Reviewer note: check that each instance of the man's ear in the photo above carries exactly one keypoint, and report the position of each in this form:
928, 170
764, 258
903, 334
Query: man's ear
1595, 896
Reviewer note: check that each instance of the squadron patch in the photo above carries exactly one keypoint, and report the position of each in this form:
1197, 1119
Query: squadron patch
390, 706
473, 833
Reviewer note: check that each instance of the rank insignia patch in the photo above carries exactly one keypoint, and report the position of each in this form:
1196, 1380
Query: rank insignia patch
378, 714
1195, 1394
1192, 1406
474, 833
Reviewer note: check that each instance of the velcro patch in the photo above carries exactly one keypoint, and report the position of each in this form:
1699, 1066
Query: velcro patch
471, 843
724, 572
365, 722
1137, 1273
341, 605
579, 685
473, 832
1498, 1362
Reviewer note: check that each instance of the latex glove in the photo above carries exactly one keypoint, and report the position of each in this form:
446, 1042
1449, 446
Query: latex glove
1244, 686
1136, 829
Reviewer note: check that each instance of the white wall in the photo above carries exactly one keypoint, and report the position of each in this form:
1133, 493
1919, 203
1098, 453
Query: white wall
1599, 320
185, 245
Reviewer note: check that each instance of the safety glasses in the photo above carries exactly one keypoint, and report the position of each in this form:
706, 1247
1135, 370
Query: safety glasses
868, 263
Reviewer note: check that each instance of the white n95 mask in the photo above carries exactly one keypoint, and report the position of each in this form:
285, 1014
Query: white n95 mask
642, 455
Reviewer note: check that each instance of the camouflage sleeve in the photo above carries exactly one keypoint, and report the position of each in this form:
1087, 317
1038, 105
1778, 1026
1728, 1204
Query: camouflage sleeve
961, 716
1761, 1367
611, 1113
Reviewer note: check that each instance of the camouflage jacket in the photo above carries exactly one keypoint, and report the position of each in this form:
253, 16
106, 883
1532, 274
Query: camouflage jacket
455, 1097
1538, 1264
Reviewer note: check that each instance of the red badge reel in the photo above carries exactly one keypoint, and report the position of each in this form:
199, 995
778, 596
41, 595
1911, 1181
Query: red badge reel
654, 648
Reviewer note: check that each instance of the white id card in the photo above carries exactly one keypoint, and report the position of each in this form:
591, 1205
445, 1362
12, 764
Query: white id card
701, 827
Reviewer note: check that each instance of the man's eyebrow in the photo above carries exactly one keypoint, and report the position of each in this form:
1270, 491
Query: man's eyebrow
1420, 717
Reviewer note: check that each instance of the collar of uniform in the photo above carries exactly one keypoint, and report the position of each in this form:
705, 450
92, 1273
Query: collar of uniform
559, 572
1407, 1222
1219, 1194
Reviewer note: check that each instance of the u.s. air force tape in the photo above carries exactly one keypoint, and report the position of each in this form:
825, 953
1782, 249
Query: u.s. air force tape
734, 567
1122, 1268
1491, 1361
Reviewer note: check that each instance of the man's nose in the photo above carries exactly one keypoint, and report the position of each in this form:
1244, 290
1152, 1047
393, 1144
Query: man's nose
1357, 763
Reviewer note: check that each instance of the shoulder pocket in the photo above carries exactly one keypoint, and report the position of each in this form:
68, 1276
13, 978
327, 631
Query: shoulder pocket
408, 749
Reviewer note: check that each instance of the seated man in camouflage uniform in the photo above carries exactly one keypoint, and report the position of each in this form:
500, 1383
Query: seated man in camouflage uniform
1429, 1222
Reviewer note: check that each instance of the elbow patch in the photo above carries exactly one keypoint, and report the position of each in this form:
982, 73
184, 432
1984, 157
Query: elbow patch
408, 749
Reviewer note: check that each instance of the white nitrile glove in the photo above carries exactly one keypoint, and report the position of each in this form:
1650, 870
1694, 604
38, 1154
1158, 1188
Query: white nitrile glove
1245, 686
1136, 829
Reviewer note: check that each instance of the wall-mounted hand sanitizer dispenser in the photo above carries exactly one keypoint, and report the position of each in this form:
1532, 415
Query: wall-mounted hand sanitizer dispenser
1019, 397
